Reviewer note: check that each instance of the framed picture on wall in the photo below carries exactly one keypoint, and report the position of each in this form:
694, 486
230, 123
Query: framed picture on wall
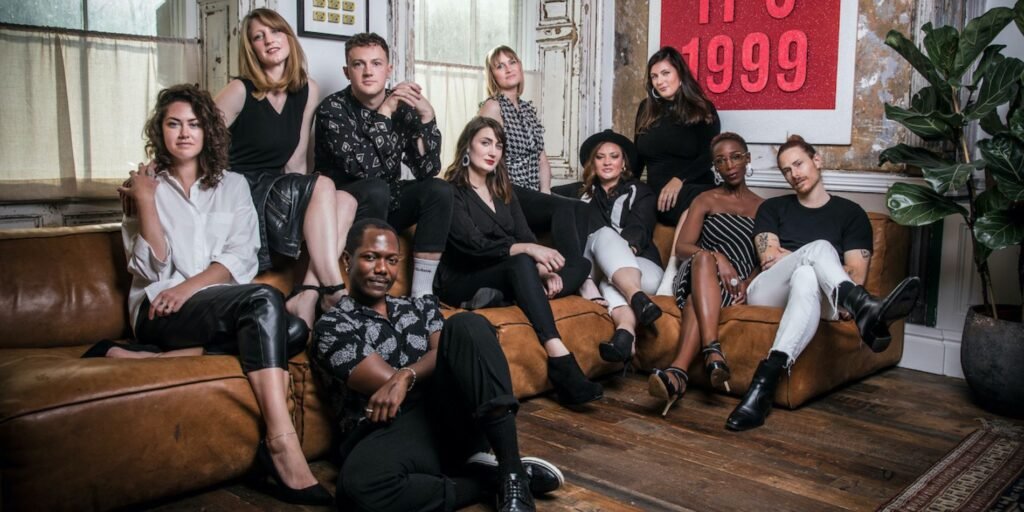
333, 19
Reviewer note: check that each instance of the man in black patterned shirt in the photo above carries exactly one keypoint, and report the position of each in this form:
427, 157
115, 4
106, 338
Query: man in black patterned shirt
363, 135
417, 395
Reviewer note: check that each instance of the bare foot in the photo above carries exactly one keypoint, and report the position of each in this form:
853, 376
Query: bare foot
303, 306
120, 353
588, 290
286, 453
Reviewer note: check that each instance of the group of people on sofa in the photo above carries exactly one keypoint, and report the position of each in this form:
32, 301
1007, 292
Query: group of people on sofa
426, 405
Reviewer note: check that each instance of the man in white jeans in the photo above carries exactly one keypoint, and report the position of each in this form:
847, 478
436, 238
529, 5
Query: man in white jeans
814, 250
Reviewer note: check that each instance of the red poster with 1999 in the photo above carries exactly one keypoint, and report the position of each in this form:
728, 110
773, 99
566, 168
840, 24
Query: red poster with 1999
758, 54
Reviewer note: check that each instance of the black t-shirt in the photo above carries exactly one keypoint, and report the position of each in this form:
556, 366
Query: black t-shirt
840, 222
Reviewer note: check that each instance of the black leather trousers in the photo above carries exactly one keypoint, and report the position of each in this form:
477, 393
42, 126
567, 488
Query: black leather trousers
248, 320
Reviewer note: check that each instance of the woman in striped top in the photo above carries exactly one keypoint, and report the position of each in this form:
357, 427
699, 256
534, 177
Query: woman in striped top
719, 261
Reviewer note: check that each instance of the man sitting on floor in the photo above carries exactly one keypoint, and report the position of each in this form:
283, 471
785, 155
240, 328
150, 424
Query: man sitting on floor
418, 397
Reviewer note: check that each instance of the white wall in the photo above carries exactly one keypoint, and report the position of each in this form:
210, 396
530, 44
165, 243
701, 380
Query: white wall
326, 57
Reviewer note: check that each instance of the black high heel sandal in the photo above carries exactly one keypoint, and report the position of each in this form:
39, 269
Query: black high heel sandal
619, 349
718, 371
659, 385
315, 494
327, 290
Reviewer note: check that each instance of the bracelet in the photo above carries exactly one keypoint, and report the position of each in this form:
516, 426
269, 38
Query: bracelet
413, 372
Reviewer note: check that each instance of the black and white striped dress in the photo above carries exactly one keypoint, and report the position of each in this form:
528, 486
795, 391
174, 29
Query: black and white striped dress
728, 234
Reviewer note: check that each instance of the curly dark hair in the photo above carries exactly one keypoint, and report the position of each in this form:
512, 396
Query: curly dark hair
213, 158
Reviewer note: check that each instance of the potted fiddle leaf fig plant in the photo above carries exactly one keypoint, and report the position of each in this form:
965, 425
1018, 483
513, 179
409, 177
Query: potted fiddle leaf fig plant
992, 347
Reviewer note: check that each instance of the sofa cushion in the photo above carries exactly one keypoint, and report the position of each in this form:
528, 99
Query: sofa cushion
112, 432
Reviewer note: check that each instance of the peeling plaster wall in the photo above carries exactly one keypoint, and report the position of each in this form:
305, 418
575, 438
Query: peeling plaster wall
881, 76
630, 63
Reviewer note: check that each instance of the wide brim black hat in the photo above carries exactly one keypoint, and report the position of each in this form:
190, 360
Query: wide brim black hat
595, 140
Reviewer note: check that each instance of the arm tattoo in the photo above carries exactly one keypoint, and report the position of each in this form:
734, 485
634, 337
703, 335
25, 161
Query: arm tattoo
866, 254
762, 242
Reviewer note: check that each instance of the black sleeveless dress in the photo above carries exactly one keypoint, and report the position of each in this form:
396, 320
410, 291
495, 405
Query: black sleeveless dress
262, 141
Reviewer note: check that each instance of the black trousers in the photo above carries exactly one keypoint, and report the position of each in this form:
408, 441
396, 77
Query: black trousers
517, 278
426, 203
408, 464
247, 319
563, 217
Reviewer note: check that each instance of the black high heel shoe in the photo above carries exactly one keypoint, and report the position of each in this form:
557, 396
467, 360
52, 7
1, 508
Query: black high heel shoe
315, 494
659, 385
718, 371
647, 312
618, 349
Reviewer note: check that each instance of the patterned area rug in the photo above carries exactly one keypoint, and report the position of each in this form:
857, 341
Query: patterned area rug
984, 472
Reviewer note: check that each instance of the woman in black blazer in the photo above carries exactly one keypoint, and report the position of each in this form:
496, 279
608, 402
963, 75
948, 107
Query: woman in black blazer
491, 254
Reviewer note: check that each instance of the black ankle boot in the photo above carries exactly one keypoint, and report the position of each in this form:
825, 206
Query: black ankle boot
571, 385
619, 349
756, 404
873, 314
647, 312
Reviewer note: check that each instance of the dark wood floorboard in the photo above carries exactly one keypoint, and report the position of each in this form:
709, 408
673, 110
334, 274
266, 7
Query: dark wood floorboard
850, 450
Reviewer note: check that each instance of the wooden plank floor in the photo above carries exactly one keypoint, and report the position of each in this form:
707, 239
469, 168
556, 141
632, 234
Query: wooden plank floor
850, 450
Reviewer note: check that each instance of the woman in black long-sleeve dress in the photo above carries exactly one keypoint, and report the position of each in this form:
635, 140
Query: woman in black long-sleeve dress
491, 249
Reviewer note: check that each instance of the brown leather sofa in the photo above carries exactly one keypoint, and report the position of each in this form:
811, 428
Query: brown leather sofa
99, 434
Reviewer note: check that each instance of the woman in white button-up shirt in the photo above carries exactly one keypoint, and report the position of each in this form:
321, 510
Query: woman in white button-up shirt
191, 251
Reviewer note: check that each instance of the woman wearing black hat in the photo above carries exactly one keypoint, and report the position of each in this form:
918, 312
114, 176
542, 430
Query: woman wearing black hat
626, 262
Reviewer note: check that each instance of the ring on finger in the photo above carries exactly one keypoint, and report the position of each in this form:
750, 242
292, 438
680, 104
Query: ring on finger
734, 281
368, 410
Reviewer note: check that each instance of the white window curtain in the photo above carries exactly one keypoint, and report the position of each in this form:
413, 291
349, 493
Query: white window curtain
75, 105
452, 39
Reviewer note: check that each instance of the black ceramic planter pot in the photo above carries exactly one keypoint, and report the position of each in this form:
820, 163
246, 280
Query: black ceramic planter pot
992, 357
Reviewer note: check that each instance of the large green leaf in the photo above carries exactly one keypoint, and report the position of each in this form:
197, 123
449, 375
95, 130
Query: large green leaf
977, 35
999, 230
932, 99
992, 124
912, 155
905, 47
949, 177
927, 125
915, 205
992, 56
991, 200
1015, 114
1000, 85
1004, 158
941, 44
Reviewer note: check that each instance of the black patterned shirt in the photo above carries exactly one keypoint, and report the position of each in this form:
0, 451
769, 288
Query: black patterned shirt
525, 141
350, 332
355, 142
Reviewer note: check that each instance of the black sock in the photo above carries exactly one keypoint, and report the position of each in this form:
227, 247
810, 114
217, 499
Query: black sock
501, 433
843, 291
780, 359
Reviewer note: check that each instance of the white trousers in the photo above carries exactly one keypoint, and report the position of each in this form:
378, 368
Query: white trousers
805, 283
608, 252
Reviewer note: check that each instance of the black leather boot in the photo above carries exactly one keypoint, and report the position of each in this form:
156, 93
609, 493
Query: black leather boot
873, 315
571, 385
756, 404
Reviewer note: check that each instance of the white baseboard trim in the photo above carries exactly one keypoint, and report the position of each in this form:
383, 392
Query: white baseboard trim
932, 350
837, 181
